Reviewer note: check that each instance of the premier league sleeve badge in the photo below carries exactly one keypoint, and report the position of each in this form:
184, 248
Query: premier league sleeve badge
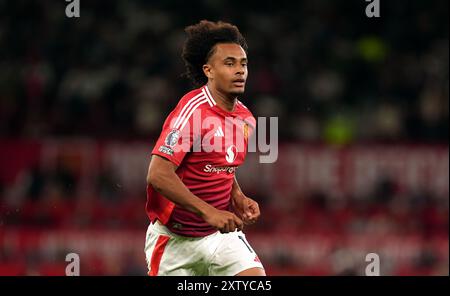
172, 138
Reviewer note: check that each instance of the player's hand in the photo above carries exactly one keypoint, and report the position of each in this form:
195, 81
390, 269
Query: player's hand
224, 221
247, 209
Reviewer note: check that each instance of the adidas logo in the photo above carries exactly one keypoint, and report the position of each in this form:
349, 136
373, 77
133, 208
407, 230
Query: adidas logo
219, 132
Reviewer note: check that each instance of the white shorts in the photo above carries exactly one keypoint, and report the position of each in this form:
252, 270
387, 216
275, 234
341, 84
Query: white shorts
218, 254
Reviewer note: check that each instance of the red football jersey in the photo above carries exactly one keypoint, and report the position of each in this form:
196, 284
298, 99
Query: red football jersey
207, 144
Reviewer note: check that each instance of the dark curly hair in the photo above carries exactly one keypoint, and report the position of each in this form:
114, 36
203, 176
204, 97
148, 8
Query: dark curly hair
199, 46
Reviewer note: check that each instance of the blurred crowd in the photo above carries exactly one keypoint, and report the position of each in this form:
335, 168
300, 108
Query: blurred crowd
330, 74
304, 234
326, 70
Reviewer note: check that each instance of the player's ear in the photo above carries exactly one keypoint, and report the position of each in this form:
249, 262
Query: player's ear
208, 71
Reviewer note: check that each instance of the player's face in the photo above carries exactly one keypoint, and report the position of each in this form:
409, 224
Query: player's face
227, 68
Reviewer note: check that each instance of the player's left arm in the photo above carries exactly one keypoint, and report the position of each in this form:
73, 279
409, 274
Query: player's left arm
245, 208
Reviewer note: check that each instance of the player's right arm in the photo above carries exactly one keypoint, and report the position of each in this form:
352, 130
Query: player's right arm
161, 175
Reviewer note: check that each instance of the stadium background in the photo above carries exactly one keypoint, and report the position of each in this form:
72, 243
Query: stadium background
363, 111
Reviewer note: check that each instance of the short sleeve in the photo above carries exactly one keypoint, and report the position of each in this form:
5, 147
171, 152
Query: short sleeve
178, 135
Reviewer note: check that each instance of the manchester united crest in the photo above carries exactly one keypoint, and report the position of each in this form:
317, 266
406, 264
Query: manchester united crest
245, 131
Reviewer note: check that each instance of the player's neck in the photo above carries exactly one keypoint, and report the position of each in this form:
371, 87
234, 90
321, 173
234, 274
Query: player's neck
224, 101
